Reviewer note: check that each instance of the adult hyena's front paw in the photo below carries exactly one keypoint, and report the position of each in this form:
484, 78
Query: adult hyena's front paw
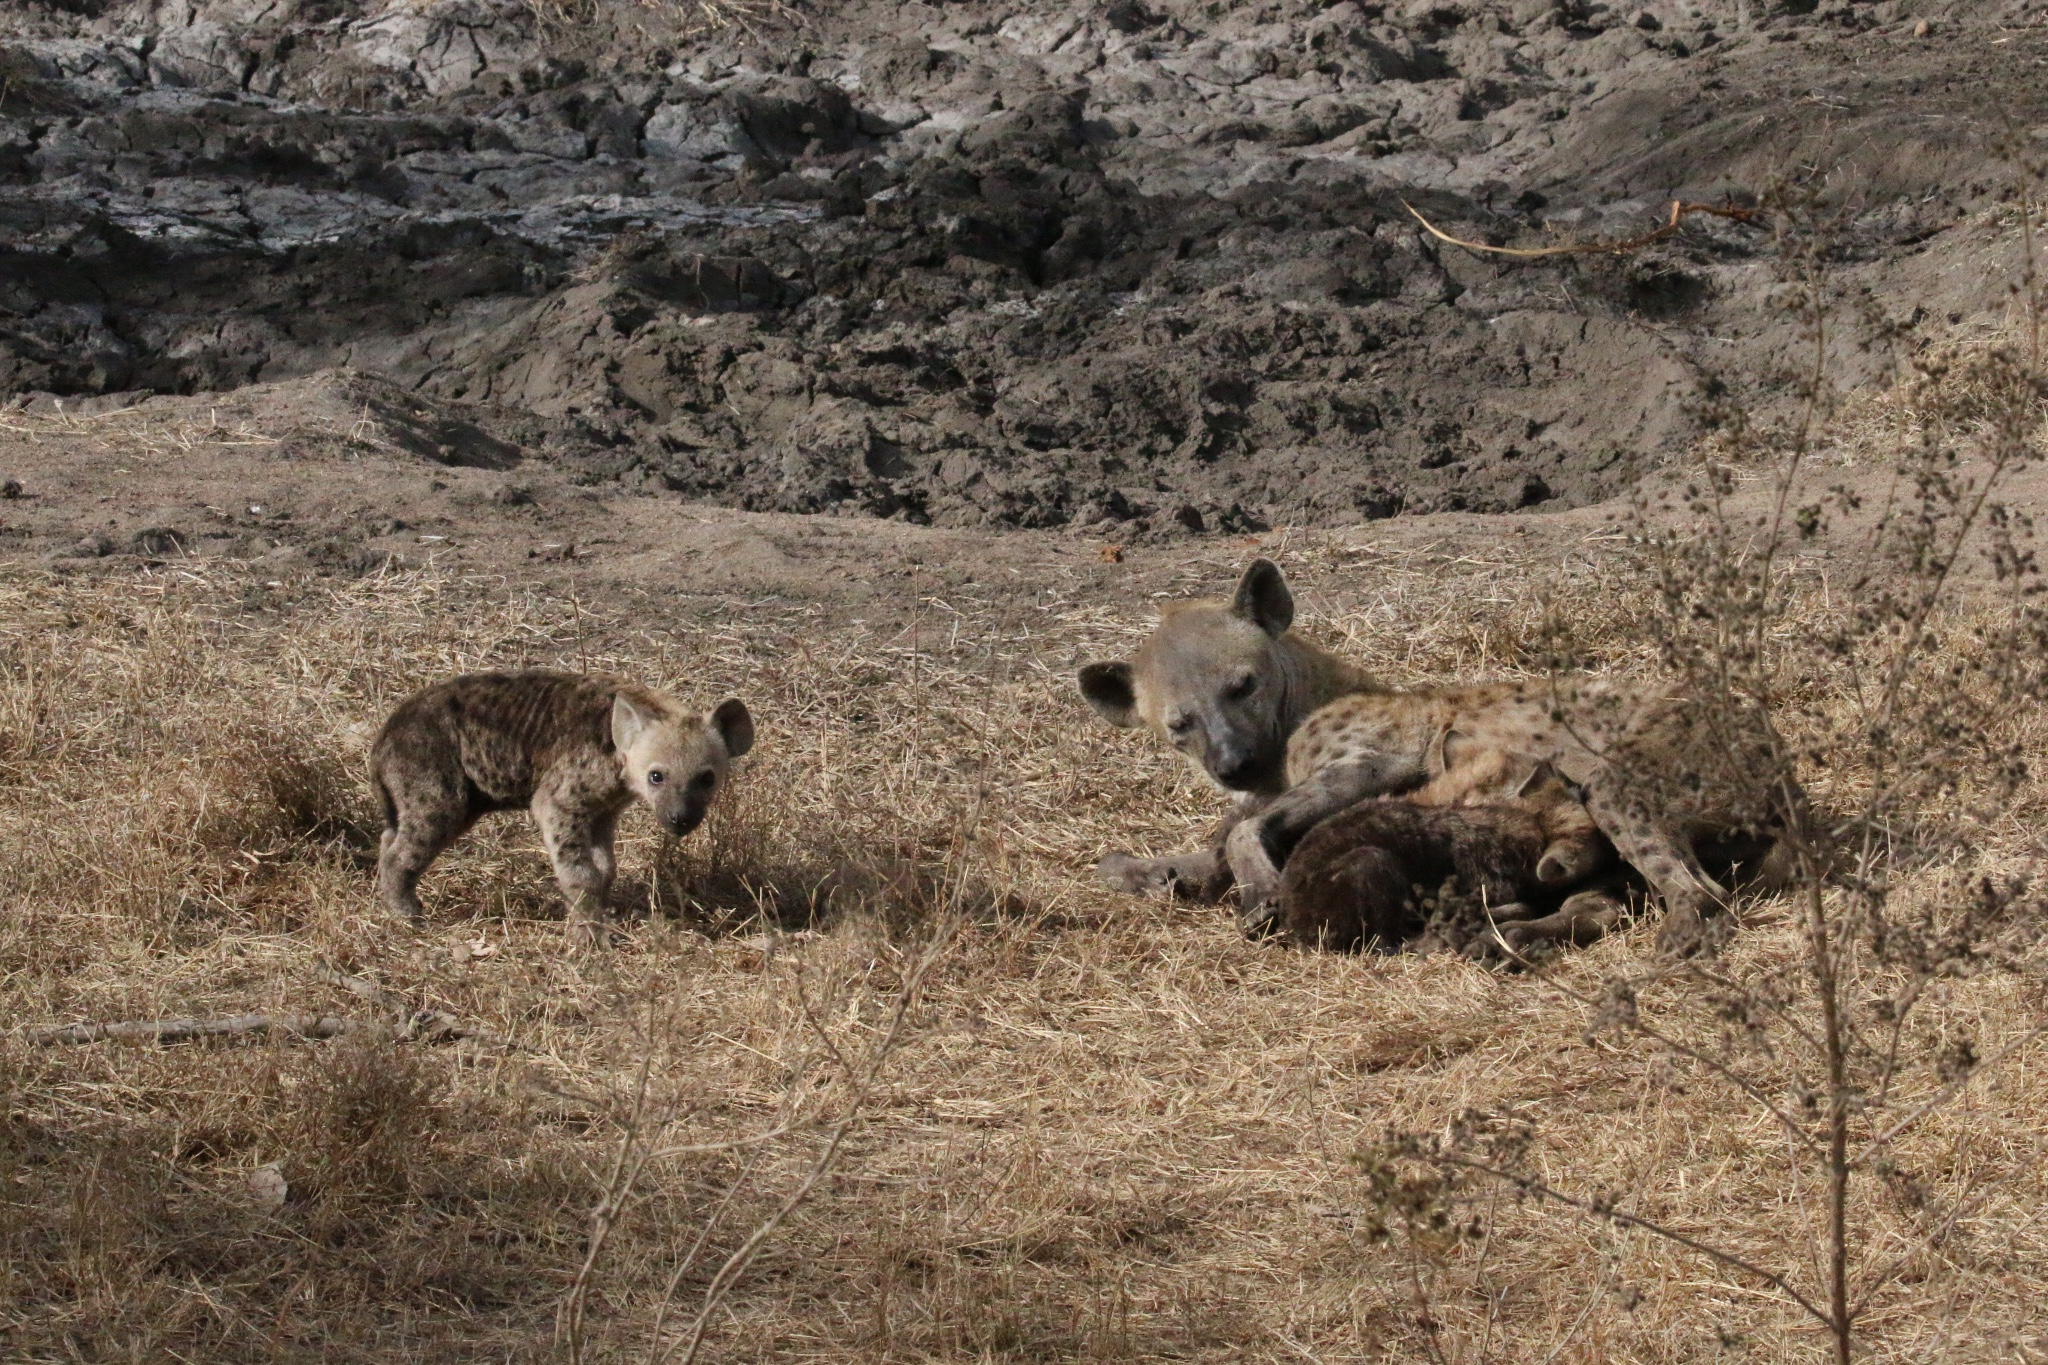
1184, 876
1138, 876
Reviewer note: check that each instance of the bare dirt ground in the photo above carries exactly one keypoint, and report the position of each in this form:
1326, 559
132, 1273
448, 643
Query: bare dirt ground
982, 264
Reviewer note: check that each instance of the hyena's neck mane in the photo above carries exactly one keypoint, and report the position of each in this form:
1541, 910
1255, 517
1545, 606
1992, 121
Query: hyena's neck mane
1312, 677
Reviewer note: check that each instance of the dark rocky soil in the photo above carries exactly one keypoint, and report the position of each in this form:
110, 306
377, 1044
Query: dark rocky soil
986, 263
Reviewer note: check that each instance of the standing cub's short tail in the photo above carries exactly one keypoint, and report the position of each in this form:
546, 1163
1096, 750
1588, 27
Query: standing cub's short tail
385, 801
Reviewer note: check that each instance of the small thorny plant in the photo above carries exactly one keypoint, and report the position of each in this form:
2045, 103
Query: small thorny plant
1886, 699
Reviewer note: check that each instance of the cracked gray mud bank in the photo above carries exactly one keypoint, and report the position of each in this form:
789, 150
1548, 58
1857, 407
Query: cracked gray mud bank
1135, 265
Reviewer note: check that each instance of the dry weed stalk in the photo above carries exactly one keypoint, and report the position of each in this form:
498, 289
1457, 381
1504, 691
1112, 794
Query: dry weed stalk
755, 18
1934, 644
862, 1084
1680, 211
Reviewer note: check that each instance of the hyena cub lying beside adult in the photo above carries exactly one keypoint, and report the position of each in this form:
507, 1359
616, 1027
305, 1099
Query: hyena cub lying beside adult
574, 750
1300, 735
1397, 873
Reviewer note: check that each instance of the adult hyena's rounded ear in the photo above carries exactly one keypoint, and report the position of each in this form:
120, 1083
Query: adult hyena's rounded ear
1110, 690
1537, 783
629, 721
734, 725
1262, 597
1436, 760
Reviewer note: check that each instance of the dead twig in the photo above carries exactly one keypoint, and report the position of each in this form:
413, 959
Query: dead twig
618, 1188
185, 1030
736, 1264
1597, 1208
1680, 211
411, 1021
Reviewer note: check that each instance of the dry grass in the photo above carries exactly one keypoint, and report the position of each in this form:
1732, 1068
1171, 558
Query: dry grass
1109, 1130
1113, 1131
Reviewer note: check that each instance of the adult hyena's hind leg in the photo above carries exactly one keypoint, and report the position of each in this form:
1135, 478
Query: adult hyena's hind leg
1664, 855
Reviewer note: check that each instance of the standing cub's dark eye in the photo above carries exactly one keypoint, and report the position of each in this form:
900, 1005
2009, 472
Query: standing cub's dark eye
702, 781
1243, 687
655, 777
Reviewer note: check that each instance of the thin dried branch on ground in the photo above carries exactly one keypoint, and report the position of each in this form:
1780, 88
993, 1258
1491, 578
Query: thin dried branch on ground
878, 1056
186, 1030
1680, 211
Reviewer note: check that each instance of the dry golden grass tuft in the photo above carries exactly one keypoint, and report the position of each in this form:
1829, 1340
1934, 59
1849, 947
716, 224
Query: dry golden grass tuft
1105, 1130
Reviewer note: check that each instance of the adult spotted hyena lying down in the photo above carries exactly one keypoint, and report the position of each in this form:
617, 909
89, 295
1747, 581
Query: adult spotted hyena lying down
1299, 734
573, 750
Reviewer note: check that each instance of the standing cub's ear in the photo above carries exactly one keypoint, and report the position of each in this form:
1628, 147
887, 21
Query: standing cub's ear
1109, 690
1262, 597
730, 719
629, 721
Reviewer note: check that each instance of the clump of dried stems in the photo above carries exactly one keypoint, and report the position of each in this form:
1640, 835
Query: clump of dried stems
1907, 672
754, 18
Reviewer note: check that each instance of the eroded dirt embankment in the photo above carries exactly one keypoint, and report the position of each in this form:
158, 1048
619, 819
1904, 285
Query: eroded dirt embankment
1060, 263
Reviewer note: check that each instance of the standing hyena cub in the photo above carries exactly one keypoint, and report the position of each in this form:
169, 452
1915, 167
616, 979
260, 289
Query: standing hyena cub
574, 750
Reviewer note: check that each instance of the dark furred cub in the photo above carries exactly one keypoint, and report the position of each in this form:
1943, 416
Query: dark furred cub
1373, 873
574, 750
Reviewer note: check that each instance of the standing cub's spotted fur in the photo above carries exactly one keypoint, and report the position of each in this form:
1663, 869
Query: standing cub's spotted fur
574, 750
1284, 723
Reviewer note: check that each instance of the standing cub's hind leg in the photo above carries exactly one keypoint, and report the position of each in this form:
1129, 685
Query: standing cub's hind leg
418, 826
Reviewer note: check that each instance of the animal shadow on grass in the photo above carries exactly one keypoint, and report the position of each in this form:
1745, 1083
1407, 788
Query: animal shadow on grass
273, 790
747, 871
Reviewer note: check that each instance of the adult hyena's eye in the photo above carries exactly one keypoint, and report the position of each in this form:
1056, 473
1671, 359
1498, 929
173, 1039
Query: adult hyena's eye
1243, 687
1180, 725
655, 777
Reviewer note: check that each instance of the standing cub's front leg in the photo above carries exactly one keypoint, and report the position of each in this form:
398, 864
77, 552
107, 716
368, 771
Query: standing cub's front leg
579, 843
